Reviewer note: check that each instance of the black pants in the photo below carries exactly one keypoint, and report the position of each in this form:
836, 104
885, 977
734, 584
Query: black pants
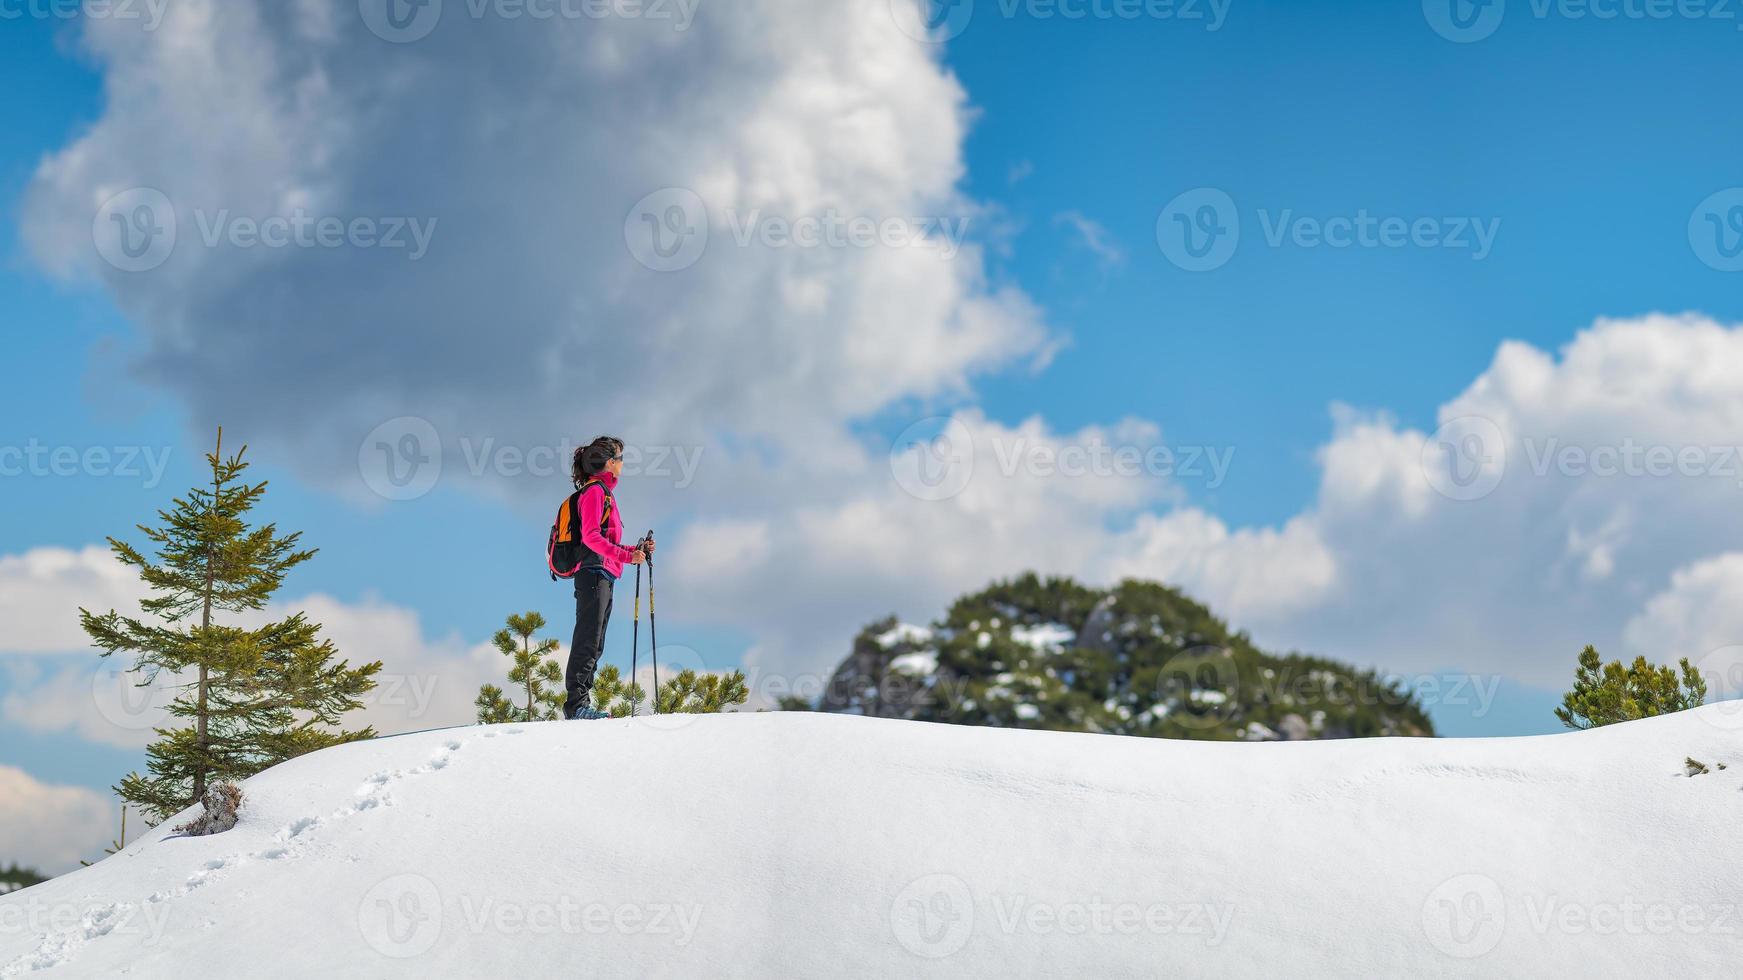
592, 613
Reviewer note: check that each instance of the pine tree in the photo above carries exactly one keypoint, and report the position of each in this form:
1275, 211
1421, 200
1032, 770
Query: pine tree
538, 679
691, 693
615, 697
247, 698
688, 693
1604, 694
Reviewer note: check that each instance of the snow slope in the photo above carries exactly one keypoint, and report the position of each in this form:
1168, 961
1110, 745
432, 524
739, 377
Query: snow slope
802, 845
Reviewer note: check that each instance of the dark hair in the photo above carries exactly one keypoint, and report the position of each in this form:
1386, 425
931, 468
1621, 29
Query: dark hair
590, 459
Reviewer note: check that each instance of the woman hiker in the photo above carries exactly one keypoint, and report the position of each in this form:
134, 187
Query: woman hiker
595, 470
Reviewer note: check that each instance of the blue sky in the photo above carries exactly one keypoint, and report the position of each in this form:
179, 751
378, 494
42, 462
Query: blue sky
1584, 142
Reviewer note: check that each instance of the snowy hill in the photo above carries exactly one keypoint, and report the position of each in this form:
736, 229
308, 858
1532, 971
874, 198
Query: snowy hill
806, 845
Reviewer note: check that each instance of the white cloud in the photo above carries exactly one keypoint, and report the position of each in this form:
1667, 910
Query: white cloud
1698, 616
1093, 236
42, 590
529, 143
425, 682
1583, 524
53, 827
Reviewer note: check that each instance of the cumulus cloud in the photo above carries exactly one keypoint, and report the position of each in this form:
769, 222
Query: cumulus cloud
42, 590
1699, 615
1560, 492
426, 681
528, 149
53, 827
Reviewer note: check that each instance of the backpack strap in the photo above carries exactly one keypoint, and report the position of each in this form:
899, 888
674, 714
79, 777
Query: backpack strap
604, 513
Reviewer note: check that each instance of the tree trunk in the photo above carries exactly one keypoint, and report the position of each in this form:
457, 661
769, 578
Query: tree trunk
526, 645
205, 624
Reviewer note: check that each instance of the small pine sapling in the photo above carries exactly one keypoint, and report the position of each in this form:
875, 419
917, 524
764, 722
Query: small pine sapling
1604, 694
536, 679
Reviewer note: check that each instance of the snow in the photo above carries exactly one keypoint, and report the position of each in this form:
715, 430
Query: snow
922, 663
1046, 638
904, 633
804, 845
1258, 732
1028, 712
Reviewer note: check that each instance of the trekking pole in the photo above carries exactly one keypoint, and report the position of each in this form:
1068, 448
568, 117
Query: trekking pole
653, 638
635, 636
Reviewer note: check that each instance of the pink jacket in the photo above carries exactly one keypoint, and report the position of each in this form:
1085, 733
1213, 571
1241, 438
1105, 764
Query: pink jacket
611, 554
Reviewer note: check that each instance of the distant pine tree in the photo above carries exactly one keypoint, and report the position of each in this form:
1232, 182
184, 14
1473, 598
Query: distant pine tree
1139, 658
14, 877
538, 679
248, 699
691, 693
1604, 694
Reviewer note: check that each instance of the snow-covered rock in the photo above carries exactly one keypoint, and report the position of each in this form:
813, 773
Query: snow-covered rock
808, 845
904, 633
